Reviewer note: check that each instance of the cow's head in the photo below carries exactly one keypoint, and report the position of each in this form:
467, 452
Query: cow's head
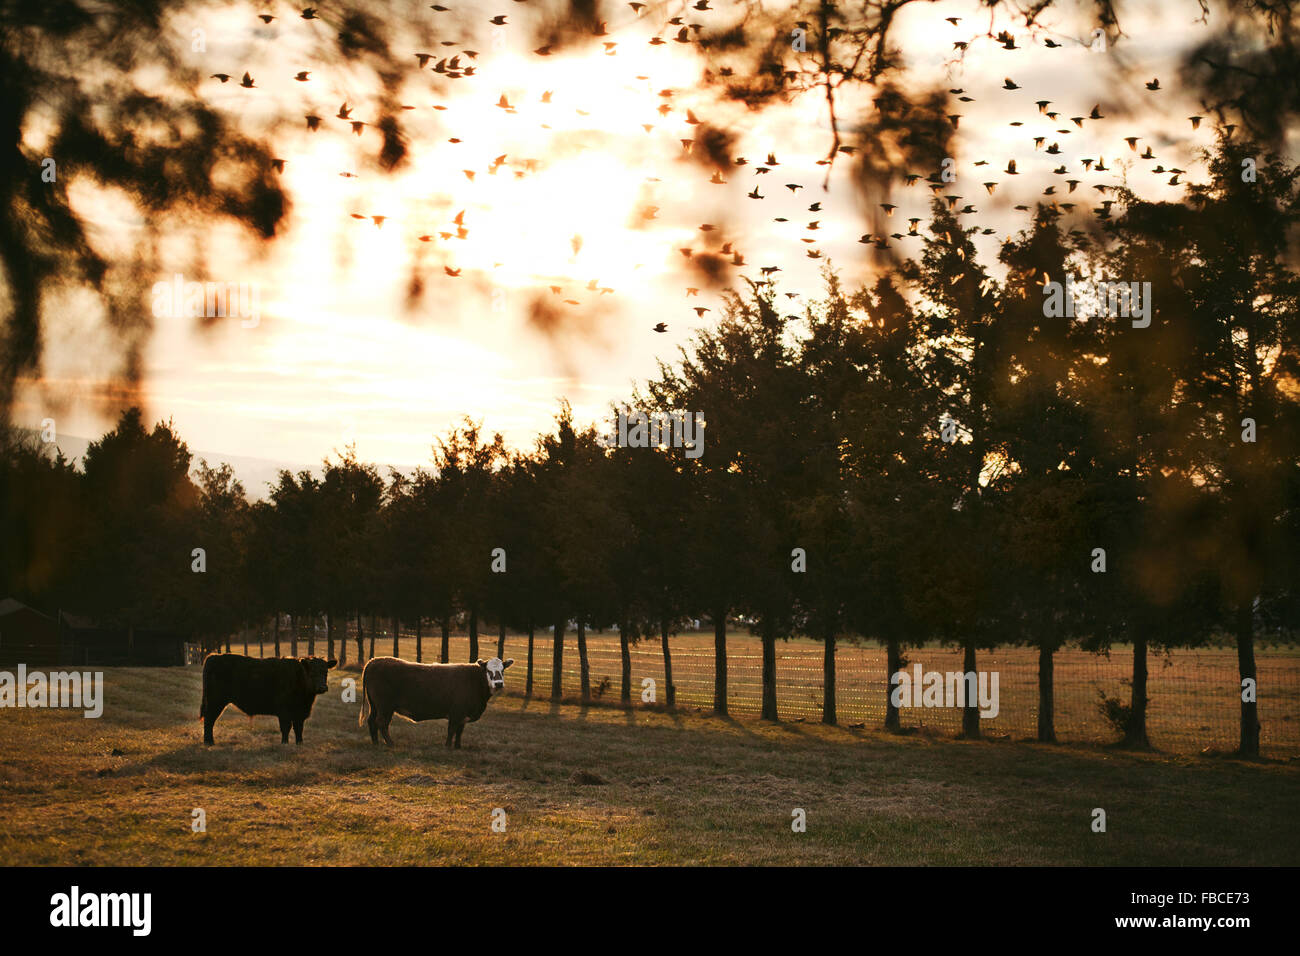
495, 672
317, 670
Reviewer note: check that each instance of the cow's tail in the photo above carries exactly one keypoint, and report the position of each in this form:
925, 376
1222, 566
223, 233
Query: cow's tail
365, 700
203, 703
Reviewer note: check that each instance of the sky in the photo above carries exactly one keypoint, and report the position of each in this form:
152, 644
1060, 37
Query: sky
574, 213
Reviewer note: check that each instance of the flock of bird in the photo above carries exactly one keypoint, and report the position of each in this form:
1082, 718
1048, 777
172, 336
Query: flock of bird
1055, 125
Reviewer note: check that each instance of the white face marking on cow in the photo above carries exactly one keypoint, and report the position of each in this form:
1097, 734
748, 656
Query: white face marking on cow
496, 676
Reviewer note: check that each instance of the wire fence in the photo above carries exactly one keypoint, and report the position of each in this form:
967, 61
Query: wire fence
1194, 694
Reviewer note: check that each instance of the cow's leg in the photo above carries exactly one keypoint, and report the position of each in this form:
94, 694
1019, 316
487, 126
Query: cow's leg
384, 724
451, 729
297, 730
209, 718
460, 729
374, 725
285, 723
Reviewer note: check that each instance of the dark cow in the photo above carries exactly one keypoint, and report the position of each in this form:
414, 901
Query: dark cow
283, 687
457, 692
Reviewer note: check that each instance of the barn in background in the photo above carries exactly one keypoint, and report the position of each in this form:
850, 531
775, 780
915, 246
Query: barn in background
84, 643
26, 635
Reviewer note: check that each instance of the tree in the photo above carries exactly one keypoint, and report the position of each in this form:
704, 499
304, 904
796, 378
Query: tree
352, 495
1054, 477
960, 308
42, 512
466, 468
555, 454
223, 525
141, 507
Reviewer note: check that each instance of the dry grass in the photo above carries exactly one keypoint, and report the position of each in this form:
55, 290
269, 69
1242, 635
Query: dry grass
678, 788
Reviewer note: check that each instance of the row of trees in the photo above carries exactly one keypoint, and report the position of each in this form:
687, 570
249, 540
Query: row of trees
931, 458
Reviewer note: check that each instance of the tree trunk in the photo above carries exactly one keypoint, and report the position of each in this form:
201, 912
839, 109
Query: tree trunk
343, 642
557, 660
444, 654
501, 640
828, 679
1136, 733
261, 639
419, 640
893, 664
244, 635
311, 637
528, 684
329, 637
361, 642
374, 629
769, 674
670, 690
970, 713
397, 635
625, 659
227, 642
720, 663
584, 670
1046, 691
473, 634
293, 635
277, 633
1249, 746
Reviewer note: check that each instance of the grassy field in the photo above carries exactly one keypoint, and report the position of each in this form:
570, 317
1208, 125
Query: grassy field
600, 785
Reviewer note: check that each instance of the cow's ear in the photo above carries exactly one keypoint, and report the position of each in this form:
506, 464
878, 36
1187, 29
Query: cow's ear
481, 663
331, 663
507, 663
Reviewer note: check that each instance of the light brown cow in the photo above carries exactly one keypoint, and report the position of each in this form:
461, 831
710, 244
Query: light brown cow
456, 692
